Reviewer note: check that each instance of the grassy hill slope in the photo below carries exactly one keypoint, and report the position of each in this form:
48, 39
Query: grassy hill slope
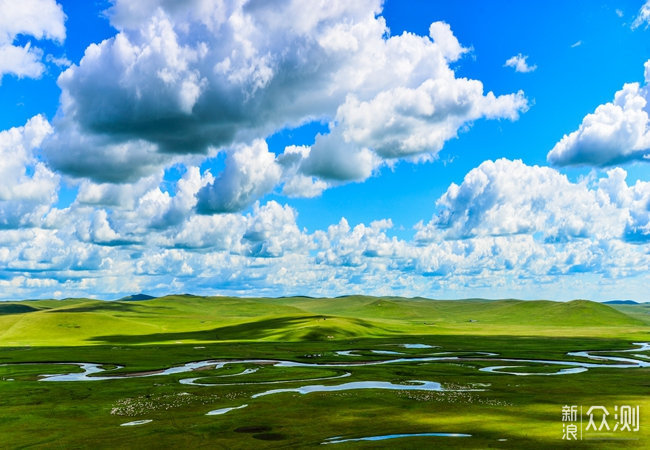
187, 318
639, 311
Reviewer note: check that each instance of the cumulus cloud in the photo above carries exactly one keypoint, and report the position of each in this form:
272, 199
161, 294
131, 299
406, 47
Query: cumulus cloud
165, 210
333, 158
251, 171
99, 158
179, 84
442, 35
40, 19
520, 64
614, 133
643, 17
272, 231
633, 200
342, 245
218, 232
304, 186
124, 196
297, 184
100, 230
503, 197
182, 79
403, 122
509, 225
27, 186
20, 61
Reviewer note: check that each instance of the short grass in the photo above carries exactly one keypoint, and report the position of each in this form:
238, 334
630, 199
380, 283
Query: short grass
194, 319
159, 333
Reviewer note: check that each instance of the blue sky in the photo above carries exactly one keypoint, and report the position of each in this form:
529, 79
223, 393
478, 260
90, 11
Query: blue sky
443, 149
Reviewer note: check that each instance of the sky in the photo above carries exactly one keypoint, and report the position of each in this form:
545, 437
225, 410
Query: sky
414, 148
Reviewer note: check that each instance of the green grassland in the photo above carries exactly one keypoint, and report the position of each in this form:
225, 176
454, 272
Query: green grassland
498, 410
191, 319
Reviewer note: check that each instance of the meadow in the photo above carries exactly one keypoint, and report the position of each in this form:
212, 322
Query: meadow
300, 372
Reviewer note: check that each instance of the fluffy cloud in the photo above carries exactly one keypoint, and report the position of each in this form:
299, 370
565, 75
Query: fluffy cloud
180, 80
333, 158
123, 195
508, 225
272, 230
100, 230
179, 84
520, 64
491, 202
342, 245
615, 133
634, 201
403, 122
251, 171
295, 183
165, 210
99, 158
27, 186
41, 19
506, 197
221, 232
20, 61
449, 46
303, 186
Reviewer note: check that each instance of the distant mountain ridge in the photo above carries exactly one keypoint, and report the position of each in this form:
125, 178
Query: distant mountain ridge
136, 298
621, 302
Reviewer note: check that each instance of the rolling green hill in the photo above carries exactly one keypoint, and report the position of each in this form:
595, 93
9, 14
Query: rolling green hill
187, 319
640, 311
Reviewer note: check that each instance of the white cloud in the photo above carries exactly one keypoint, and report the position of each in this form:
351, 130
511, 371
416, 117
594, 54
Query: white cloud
272, 230
643, 17
251, 171
506, 197
27, 186
179, 84
164, 210
519, 63
100, 231
633, 200
507, 224
303, 186
295, 183
60, 61
614, 133
517, 227
181, 80
20, 61
219, 232
442, 35
122, 196
345, 246
99, 158
333, 158
40, 19
576, 44
403, 122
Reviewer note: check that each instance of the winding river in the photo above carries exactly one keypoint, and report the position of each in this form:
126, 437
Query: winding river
598, 359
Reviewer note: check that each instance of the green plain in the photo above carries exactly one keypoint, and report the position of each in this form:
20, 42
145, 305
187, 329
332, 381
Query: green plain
148, 335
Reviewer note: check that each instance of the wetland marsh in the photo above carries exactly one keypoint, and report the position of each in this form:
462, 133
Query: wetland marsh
337, 373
